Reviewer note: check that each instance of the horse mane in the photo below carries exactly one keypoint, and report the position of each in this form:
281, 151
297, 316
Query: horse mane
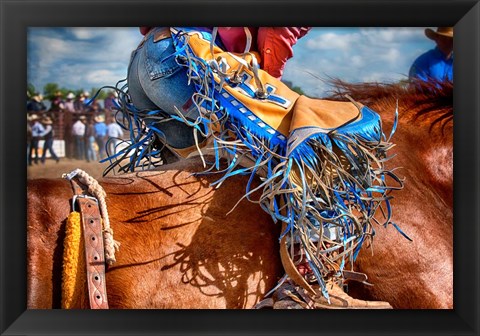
428, 101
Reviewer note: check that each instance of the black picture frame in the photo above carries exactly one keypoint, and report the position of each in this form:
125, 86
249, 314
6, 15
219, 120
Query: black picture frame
16, 16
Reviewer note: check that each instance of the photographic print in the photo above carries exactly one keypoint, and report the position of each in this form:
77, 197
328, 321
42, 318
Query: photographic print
312, 121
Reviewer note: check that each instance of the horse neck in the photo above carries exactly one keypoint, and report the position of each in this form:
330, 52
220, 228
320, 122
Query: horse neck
424, 137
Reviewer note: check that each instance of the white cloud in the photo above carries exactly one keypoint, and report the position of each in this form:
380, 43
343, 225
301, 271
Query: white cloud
392, 56
95, 57
380, 77
391, 35
356, 55
119, 43
102, 77
332, 41
357, 61
86, 33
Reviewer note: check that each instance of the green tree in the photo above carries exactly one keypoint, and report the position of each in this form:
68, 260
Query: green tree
77, 92
101, 95
298, 90
31, 90
50, 89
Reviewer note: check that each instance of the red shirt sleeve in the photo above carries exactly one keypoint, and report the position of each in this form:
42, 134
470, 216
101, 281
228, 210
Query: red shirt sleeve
234, 38
275, 46
273, 43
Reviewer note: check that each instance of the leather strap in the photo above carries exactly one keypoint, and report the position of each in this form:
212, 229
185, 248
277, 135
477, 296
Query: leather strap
162, 34
94, 251
158, 35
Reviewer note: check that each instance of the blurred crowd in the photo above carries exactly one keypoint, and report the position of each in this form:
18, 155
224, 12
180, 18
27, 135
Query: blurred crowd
86, 128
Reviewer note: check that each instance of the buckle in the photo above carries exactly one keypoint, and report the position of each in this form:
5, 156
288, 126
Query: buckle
75, 197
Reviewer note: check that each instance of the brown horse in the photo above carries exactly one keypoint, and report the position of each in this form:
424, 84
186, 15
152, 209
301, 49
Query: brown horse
180, 250
417, 274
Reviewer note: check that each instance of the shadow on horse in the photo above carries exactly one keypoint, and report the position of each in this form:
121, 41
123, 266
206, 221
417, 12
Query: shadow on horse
179, 249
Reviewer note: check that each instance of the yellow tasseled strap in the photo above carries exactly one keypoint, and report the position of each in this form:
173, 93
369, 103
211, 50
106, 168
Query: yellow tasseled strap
73, 275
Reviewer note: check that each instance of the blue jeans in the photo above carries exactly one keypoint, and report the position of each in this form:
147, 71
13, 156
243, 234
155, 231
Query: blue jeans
48, 145
33, 148
90, 153
100, 140
156, 81
79, 147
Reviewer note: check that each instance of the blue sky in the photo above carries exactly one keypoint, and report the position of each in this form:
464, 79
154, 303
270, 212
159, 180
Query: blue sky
83, 58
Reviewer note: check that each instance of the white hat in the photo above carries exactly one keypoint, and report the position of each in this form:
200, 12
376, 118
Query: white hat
47, 120
70, 95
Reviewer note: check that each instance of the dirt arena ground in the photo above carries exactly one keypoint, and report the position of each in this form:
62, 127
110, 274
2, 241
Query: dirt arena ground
51, 169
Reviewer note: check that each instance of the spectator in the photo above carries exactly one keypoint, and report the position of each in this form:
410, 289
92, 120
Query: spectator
115, 134
37, 131
69, 103
90, 106
29, 136
68, 123
57, 103
78, 133
90, 153
100, 135
436, 65
94, 107
35, 104
48, 134
110, 101
79, 103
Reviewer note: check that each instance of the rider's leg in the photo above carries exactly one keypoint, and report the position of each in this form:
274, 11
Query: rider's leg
156, 81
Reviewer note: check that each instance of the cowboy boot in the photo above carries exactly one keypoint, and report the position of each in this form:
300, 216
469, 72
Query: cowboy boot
341, 300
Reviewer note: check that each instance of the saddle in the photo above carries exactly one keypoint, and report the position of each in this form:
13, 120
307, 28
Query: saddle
322, 162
